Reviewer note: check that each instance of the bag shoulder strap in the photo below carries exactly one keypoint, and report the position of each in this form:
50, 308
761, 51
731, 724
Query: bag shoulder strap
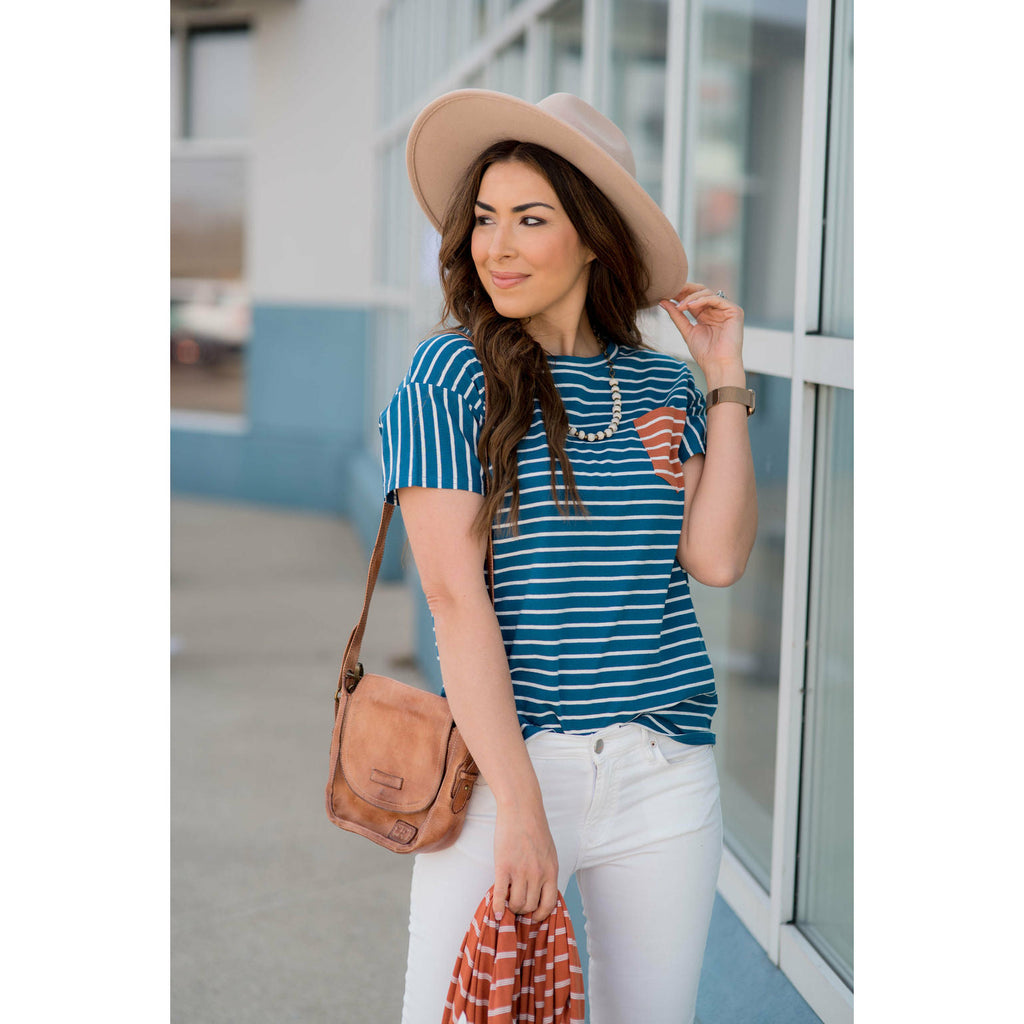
351, 669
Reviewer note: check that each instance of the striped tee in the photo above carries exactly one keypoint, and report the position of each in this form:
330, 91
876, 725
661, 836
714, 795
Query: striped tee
595, 611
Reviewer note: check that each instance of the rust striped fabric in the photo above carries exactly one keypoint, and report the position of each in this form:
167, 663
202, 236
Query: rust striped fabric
517, 972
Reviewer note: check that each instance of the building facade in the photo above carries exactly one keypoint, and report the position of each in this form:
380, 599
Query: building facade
289, 120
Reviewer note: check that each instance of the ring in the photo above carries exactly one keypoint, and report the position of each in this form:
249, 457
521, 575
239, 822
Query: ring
720, 293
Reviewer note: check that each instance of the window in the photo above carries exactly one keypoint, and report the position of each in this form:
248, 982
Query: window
507, 72
636, 83
395, 209
825, 860
564, 67
742, 627
207, 217
175, 84
218, 83
837, 276
740, 208
387, 86
210, 311
481, 25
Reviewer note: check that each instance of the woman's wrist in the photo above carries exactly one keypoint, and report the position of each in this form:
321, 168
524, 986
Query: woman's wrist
517, 796
725, 375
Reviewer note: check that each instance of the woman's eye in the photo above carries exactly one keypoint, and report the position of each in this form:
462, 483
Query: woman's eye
531, 222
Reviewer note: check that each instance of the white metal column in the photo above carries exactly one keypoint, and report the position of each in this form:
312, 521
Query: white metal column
798, 495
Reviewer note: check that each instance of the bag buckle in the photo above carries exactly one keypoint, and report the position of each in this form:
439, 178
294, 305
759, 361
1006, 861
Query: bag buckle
354, 676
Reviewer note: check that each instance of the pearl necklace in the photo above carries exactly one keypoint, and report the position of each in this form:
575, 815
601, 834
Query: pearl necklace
616, 410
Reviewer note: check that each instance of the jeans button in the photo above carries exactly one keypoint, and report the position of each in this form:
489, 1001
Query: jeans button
598, 746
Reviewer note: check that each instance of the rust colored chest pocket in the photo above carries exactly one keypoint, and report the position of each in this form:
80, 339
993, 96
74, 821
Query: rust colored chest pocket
661, 432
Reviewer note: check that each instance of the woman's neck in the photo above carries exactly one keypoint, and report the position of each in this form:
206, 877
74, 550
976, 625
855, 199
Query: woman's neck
579, 341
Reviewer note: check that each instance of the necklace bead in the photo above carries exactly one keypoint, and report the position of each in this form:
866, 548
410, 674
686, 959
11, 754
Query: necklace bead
608, 431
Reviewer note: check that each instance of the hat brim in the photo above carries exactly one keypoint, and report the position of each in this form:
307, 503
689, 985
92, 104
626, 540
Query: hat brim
456, 128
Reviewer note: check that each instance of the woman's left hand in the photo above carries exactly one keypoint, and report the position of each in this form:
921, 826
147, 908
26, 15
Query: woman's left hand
716, 340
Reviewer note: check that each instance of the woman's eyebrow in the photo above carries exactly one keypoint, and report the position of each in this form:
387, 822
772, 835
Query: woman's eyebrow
515, 209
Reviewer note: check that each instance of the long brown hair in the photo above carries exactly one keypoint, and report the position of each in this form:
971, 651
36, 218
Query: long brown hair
515, 366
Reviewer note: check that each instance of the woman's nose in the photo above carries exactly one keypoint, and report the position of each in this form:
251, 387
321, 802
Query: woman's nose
501, 242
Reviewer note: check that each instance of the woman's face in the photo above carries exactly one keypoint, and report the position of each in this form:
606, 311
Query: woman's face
528, 255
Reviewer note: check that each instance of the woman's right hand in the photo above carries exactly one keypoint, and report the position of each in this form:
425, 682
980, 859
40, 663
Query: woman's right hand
525, 862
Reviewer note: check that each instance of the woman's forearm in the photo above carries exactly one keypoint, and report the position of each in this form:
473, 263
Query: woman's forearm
720, 523
479, 689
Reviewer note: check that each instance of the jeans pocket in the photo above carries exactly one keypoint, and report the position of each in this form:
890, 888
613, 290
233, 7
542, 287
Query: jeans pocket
670, 752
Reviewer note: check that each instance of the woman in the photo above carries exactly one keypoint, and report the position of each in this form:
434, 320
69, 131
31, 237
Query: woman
585, 692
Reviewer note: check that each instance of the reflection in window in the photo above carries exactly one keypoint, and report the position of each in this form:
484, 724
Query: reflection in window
637, 83
388, 101
210, 307
392, 245
461, 29
479, 16
837, 277
825, 859
742, 625
746, 162
563, 28
210, 318
175, 83
207, 216
210, 329
218, 83
508, 70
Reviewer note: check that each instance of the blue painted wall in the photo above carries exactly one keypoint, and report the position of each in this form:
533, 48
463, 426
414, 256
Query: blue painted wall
305, 368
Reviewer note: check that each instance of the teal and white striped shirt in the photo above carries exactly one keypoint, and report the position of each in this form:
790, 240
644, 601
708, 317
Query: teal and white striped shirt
595, 611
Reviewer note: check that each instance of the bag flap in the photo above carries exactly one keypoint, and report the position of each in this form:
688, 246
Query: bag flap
394, 744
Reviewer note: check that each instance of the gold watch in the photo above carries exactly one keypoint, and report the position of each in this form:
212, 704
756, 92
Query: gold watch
745, 396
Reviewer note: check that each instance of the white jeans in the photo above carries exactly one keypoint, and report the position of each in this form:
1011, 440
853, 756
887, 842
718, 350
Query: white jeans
636, 817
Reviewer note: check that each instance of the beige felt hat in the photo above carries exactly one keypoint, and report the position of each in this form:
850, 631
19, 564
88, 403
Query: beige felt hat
456, 128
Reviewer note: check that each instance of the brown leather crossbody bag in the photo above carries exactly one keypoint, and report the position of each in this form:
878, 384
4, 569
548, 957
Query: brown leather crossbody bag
400, 773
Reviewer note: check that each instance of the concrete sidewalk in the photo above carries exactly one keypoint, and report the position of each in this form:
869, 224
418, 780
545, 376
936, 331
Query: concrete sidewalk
276, 914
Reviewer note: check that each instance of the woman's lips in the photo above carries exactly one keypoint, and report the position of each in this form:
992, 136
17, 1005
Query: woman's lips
507, 280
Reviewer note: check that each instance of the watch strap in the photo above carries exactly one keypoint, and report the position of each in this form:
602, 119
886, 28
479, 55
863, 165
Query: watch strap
745, 396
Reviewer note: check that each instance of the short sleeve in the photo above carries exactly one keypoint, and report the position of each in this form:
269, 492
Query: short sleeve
695, 430
430, 428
